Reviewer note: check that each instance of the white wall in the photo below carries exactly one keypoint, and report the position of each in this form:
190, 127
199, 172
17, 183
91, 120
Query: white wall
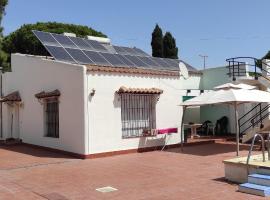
213, 77
105, 110
31, 75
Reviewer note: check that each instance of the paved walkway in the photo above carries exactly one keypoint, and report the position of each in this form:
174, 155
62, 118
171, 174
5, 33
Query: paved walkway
27, 173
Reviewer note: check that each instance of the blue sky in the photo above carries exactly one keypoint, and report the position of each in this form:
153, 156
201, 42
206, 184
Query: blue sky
217, 28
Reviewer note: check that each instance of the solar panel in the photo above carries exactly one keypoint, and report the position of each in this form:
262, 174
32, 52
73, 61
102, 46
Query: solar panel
171, 62
64, 41
96, 45
161, 62
130, 51
149, 61
81, 43
140, 52
113, 59
120, 50
59, 53
136, 61
84, 51
79, 56
97, 58
46, 38
126, 60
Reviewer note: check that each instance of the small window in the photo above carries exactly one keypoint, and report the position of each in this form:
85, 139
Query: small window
138, 113
52, 117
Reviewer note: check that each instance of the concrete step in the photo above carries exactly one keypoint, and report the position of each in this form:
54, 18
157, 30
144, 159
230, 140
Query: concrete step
255, 189
259, 179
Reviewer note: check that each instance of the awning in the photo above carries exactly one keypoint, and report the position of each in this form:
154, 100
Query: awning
55, 93
12, 97
139, 90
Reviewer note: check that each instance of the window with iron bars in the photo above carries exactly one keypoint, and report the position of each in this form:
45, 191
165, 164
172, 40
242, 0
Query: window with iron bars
52, 117
138, 113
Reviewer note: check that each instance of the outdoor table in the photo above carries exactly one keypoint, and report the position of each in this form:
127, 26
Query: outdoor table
193, 128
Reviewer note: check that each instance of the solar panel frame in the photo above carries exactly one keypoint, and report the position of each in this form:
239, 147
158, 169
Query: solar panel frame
64, 41
79, 56
81, 43
59, 53
97, 58
46, 38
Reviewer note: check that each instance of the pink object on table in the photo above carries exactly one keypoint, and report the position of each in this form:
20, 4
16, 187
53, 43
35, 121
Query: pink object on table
167, 130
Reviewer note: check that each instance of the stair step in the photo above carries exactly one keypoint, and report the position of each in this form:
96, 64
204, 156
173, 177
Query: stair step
259, 179
255, 189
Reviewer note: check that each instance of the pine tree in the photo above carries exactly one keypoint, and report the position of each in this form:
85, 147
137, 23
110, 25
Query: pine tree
157, 42
169, 46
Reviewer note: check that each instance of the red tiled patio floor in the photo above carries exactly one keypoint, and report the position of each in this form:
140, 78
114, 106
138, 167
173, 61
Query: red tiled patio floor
27, 173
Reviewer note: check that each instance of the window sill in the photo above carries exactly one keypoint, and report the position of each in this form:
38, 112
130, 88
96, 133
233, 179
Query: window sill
142, 136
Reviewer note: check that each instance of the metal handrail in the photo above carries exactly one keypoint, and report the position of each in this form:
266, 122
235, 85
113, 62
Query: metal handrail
249, 111
234, 66
261, 115
253, 124
251, 147
268, 149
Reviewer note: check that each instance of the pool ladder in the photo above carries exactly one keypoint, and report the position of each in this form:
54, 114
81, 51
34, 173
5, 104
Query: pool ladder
263, 148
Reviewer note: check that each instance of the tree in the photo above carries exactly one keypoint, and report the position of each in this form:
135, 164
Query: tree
24, 41
3, 55
157, 42
169, 46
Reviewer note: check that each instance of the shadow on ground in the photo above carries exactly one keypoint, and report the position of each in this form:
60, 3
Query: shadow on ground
208, 150
224, 180
32, 151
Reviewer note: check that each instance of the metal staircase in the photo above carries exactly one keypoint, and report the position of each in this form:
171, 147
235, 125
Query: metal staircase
256, 72
255, 120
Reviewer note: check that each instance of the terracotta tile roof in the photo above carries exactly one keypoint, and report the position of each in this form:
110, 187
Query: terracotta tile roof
123, 89
14, 96
43, 94
131, 70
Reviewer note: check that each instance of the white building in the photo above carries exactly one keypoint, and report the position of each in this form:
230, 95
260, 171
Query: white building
75, 103
92, 110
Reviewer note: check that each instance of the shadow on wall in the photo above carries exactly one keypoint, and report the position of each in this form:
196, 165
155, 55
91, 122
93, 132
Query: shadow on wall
134, 75
117, 100
153, 142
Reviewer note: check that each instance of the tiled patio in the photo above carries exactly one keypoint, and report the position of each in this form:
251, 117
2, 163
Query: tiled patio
27, 173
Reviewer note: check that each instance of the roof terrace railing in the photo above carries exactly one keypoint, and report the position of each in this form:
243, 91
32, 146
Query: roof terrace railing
240, 66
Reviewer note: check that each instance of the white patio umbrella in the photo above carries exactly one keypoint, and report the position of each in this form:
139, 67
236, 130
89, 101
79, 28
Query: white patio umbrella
235, 86
227, 95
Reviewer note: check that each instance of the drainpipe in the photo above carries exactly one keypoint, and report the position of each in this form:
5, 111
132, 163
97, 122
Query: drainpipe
182, 129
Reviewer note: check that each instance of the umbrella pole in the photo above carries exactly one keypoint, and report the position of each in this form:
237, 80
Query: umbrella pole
182, 128
236, 129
